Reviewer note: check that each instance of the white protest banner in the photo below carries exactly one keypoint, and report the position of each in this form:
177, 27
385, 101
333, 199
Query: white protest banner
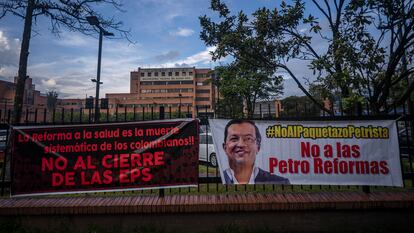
308, 152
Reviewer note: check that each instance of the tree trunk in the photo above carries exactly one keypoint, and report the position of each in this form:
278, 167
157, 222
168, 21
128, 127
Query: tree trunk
24, 54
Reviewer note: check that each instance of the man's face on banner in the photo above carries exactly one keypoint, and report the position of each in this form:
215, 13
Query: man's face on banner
240, 145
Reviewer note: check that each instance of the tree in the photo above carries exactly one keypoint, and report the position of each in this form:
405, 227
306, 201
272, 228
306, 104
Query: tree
395, 20
265, 42
62, 13
370, 51
243, 84
299, 106
369, 45
51, 98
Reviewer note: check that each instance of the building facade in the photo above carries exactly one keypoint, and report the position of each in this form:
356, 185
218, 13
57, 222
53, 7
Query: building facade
32, 99
178, 89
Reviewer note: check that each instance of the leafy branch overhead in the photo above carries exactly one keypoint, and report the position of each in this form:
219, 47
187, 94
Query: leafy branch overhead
368, 48
266, 42
62, 14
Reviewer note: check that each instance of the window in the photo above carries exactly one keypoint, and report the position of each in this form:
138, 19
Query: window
187, 82
146, 83
190, 73
142, 74
159, 82
187, 90
183, 73
177, 73
156, 74
173, 90
173, 82
199, 84
203, 91
202, 106
206, 139
202, 98
169, 73
162, 73
149, 74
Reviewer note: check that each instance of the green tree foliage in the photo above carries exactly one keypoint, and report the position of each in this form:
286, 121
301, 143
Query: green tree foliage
369, 46
294, 106
69, 14
51, 98
266, 42
370, 51
241, 84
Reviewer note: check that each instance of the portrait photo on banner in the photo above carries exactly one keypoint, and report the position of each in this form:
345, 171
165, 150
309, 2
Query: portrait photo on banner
307, 152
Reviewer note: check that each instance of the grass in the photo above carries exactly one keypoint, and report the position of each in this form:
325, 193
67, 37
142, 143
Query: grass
203, 169
218, 188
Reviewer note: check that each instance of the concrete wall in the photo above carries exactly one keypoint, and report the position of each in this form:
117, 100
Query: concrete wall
272, 221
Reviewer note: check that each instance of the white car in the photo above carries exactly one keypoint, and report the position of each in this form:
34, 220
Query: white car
206, 149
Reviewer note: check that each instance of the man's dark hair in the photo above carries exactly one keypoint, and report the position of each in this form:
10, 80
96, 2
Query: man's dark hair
241, 121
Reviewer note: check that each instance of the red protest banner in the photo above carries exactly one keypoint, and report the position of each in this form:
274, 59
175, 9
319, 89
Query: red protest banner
104, 157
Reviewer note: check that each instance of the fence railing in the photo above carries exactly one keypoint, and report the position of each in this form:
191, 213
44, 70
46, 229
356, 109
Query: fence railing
209, 180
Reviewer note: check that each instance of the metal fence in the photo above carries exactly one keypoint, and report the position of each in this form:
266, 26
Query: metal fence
209, 180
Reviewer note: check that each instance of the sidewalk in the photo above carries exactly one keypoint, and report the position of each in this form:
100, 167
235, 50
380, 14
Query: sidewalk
205, 203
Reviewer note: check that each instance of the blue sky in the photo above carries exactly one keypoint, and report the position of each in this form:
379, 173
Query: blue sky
165, 32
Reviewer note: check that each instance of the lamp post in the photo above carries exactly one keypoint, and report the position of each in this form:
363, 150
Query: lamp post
93, 20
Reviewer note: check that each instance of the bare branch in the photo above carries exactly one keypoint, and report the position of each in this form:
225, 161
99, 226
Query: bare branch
328, 17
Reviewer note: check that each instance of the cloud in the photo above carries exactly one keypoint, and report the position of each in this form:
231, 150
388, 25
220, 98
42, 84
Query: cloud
50, 83
169, 56
70, 74
9, 51
203, 57
72, 39
184, 32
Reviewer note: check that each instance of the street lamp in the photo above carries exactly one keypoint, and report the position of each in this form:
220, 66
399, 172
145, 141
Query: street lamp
94, 21
94, 81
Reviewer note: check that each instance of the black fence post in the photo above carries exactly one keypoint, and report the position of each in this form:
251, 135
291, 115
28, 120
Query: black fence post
365, 188
161, 117
116, 113
54, 116
269, 112
6, 150
80, 115
35, 117
27, 116
107, 115
135, 109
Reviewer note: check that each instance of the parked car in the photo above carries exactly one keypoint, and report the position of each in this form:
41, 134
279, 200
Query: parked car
206, 149
204, 129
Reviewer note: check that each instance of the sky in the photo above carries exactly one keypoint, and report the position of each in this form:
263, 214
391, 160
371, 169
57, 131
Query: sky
165, 34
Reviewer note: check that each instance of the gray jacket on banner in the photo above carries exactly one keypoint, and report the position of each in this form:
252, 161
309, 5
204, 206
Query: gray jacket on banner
263, 177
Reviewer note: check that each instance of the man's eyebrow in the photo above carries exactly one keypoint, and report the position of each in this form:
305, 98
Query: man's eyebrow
243, 135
